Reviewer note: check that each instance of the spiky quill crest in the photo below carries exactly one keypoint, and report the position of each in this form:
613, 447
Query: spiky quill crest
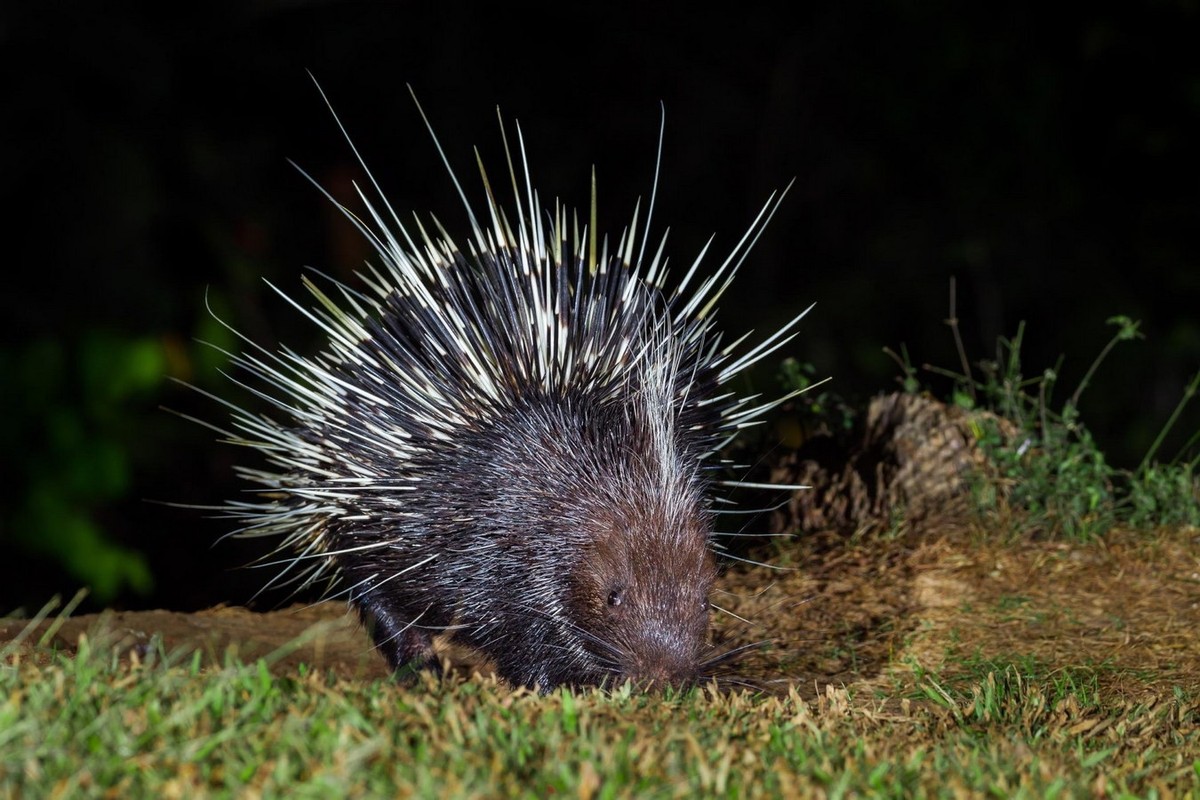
480, 418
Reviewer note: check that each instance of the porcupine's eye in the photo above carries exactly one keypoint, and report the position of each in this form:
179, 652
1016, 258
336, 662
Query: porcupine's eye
615, 597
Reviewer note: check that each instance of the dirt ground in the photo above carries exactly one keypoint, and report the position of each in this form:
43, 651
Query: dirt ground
864, 613
847, 612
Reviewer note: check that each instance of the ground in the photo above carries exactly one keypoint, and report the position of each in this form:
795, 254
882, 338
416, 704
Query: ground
863, 613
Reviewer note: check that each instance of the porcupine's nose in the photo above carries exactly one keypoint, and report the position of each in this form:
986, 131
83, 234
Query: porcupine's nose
661, 675
664, 657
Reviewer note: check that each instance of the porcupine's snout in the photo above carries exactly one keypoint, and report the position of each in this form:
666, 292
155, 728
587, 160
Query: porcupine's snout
642, 590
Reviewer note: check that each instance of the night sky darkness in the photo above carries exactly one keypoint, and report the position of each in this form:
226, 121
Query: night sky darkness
1048, 164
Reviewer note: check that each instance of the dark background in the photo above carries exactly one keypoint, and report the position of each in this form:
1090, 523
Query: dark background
1048, 163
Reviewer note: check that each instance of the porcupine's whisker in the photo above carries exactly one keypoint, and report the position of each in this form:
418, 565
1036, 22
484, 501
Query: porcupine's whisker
730, 613
724, 554
750, 512
725, 656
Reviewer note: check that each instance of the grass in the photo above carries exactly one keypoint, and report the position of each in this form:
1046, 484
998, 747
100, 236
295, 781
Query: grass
94, 724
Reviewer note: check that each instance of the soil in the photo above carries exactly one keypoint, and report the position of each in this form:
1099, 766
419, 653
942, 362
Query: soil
856, 612
864, 613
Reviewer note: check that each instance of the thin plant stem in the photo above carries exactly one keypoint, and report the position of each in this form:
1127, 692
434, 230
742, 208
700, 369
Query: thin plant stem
952, 321
1188, 393
1128, 330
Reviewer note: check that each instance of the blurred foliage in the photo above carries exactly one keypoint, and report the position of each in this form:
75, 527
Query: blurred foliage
67, 431
76, 423
812, 412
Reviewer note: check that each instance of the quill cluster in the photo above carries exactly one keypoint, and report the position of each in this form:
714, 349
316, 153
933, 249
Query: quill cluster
513, 442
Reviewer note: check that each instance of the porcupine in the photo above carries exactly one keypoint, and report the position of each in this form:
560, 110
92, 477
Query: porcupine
515, 444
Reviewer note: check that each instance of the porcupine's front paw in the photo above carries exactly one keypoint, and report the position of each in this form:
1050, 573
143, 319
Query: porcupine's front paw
406, 647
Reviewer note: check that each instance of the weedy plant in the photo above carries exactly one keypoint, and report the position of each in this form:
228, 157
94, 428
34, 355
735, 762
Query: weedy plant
1052, 471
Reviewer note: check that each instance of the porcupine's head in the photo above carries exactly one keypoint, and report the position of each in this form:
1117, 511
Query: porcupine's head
514, 443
